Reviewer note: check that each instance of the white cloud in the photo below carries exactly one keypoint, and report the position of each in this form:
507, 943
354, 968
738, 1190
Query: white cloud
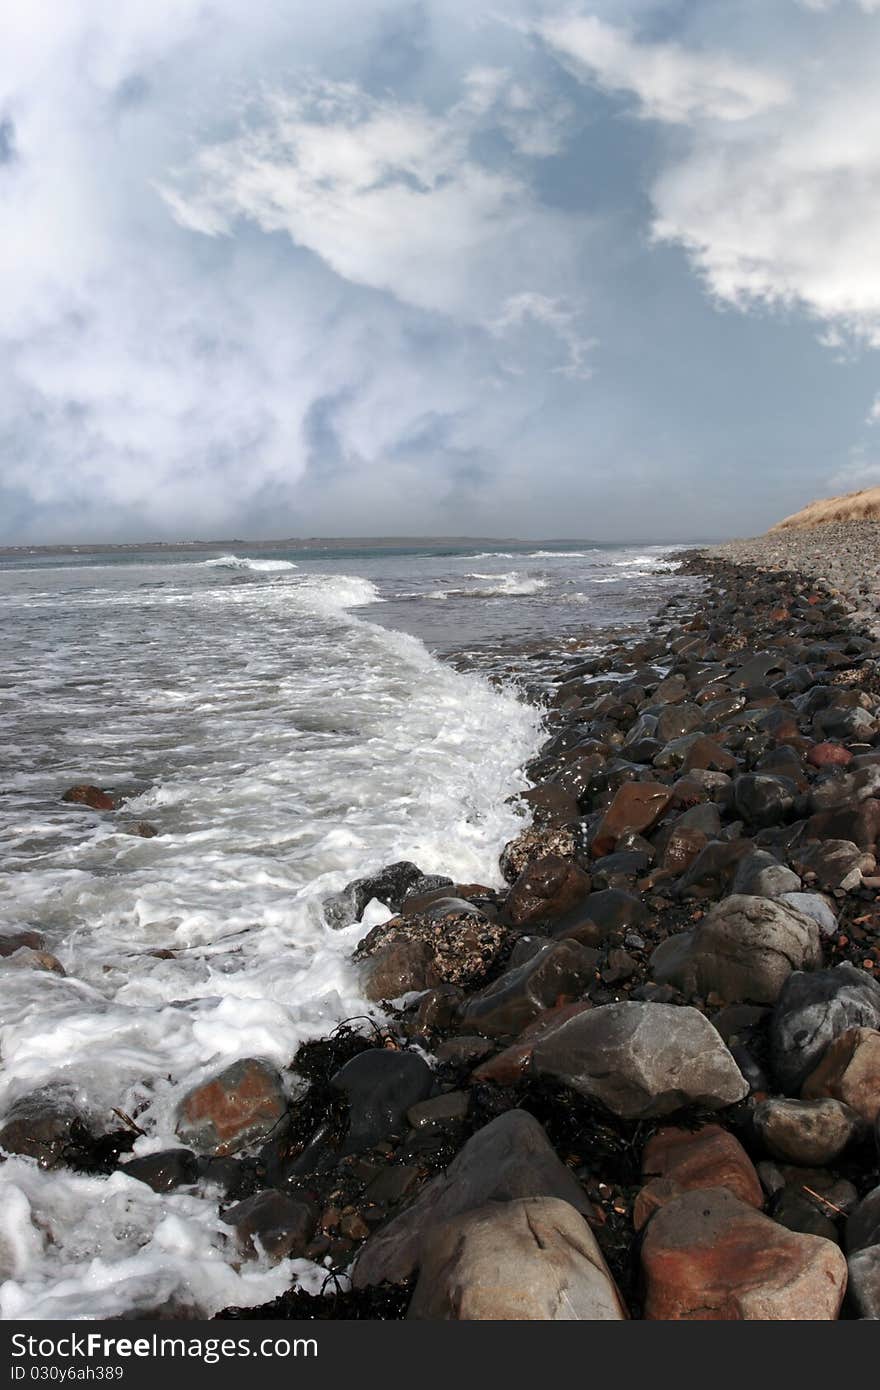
672, 83
529, 307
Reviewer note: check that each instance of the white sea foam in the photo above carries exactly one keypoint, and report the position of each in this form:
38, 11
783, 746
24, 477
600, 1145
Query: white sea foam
244, 562
281, 746
513, 585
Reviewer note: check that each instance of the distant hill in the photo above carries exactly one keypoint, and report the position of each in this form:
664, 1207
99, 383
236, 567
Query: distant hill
863, 505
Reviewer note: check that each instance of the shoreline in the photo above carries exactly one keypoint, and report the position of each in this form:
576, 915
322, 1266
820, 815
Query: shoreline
515, 1099
508, 1040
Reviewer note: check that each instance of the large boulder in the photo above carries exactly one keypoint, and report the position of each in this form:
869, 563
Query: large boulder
759, 875
533, 844
455, 947
745, 948
242, 1103
808, 1132
510, 1158
534, 1259
380, 1085
708, 1256
637, 806
814, 1009
682, 1160
39, 1125
850, 1072
545, 890
559, 970
642, 1060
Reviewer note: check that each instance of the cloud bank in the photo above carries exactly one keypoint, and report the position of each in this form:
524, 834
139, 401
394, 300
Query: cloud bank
416, 265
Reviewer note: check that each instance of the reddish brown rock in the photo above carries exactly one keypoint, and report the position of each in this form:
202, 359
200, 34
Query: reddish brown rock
637, 806
829, 755
241, 1104
682, 848
551, 805
708, 1256
87, 795
858, 824
545, 890
850, 1072
707, 755
508, 1066
534, 844
679, 1160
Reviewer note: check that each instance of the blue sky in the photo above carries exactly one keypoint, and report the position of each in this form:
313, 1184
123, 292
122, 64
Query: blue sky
426, 266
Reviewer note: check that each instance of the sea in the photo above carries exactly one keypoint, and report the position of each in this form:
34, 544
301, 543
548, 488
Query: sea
286, 721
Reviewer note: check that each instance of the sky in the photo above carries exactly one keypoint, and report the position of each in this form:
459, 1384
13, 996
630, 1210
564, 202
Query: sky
519, 268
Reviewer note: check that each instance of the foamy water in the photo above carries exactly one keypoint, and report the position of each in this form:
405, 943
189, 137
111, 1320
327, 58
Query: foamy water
281, 741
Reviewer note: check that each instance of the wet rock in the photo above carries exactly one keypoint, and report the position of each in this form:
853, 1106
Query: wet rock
680, 1160
473, 1267
642, 1059
814, 1009
399, 968
760, 875
829, 755
240, 1104
380, 1086
10, 942
845, 790
86, 795
26, 959
864, 1282
857, 824
809, 1132
832, 863
273, 1224
507, 1067
462, 947
508, 1159
714, 868
683, 847
550, 806
144, 830
438, 1008
448, 1109
39, 1126
850, 1072
636, 806
745, 948
863, 1223
166, 1170
560, 971
761, 800
533, 844
600, 914
796, 1210
390, 886
708, 1256
464, 1051
545, 890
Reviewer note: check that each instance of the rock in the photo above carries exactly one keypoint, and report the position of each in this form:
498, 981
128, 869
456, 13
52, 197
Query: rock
240, 1104
165, 1170
559, 972
760, 875
683, 847
461, 946
510, 1065
762, 801
87, 795
473, 1267
858, 825
551, 806
745, 948
863, 1223
845, 791
864, 1282
449, 1109
642, 1060
677, 720
380, 1086
680, 1160
26, 959
796, 1210
274, 1224
713, 869
13, 941
508, 1159
39, 1126
534, 844
545, 890
599, 914
708, 1256
464, 1051
814, 1009
850, 1072
833, 863
809, 1132
829, 755
815, 906
399, 968
636, 806
390, 885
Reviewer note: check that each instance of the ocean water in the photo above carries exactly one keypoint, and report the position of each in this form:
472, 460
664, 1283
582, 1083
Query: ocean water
287, 721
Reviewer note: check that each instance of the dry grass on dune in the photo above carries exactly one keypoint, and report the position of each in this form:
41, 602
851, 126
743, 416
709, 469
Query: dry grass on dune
863, 505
